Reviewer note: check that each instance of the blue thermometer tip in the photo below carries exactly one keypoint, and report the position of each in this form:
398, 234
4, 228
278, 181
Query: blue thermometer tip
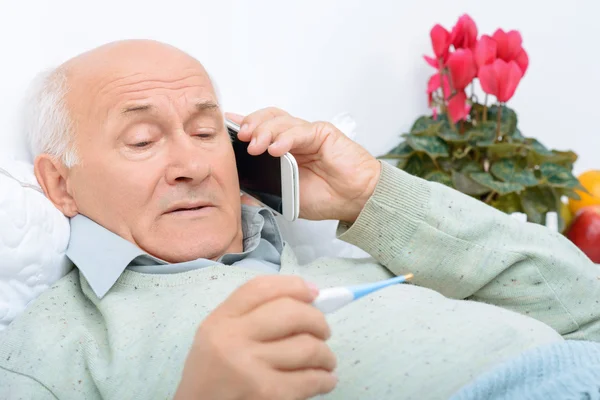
335, 298
362, 290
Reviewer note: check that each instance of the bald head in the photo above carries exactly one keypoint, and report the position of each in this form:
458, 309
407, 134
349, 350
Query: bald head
150, 137
115, 66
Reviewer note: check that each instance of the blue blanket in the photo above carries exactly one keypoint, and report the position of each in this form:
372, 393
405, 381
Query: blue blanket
565, 370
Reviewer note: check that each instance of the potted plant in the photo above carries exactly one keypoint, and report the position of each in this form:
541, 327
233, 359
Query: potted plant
474, 144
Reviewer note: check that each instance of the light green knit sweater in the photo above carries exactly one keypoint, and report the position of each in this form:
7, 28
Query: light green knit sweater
420, 341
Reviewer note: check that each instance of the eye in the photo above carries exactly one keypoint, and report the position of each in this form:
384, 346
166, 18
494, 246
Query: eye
204, 135
141, 145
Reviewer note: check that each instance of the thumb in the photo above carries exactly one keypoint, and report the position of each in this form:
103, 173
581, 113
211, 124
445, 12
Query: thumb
237, 118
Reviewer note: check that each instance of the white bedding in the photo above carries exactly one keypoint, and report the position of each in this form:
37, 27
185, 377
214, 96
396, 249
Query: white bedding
33, 240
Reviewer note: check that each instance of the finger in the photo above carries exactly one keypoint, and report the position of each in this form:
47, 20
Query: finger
237, 118
264, 289
302, 140
264, 134
307, 383
259, 142
285, 317
298, 352
256, 118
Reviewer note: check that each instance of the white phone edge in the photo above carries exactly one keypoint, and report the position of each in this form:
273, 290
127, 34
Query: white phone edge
290, 183
290, 187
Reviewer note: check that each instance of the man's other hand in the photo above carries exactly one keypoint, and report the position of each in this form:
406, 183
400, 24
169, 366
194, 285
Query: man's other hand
265, 341
337, 176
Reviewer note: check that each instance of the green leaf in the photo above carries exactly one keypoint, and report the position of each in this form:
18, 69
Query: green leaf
558, 176
509, 171
403, 150
548, 195
535, 204
508, 119
470, 166
509, 203
485, 133
426, 126
454, 136
446, 164
486, 179
534, 158
516, 137
402, 162
538, 147
427, 166
465, 184
564, 158
506, 150
432, 145
439, 177
414, 165
569, 193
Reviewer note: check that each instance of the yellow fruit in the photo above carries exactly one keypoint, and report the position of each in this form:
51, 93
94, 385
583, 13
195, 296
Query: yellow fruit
591, 181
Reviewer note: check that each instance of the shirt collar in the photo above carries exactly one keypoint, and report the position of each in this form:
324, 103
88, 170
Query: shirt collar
102, 256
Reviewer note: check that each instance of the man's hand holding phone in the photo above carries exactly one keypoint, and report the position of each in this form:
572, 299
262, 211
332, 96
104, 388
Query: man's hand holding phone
337, 176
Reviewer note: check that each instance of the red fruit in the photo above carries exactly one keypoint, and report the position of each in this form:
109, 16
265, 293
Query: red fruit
585, 232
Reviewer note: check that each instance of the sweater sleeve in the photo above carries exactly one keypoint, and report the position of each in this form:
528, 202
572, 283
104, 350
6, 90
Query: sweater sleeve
15, 386
464, 249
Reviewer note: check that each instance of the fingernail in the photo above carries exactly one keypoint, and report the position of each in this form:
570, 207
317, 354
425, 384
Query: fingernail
314, 289
274, 145
244, 128
335, 375
253, 141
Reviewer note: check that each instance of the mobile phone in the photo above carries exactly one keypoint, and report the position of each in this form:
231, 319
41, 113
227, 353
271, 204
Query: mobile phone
273, 181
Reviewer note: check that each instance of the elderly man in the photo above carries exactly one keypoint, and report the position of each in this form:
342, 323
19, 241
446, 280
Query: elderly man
180, 291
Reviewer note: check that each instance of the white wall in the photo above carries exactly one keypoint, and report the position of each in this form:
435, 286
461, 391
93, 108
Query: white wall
317, 58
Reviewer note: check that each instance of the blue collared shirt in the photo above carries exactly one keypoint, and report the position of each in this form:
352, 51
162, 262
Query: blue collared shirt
102, 256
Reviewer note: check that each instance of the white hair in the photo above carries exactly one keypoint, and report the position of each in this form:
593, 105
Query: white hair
48, 126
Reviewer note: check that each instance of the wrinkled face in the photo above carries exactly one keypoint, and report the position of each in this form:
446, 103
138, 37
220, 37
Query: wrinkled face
156, 162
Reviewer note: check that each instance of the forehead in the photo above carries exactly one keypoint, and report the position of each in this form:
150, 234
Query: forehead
99, 87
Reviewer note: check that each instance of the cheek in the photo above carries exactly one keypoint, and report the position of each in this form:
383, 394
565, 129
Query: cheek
112, 193
228, 173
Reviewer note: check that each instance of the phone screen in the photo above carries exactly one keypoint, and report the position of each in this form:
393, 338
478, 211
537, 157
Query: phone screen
260, 176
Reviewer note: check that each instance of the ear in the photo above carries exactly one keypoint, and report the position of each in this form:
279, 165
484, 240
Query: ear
52, 176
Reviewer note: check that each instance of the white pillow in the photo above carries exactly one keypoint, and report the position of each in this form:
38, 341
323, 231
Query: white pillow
33, 239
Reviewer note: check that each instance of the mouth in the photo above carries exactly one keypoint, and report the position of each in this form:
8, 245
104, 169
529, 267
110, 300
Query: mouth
189, 209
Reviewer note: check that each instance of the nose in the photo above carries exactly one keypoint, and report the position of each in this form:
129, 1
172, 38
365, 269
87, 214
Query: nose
188, 163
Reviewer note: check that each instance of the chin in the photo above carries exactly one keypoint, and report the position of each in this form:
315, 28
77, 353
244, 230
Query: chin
181, 240
210, 249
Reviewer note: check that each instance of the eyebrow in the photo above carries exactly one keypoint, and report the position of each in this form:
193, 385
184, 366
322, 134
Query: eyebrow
200, 106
